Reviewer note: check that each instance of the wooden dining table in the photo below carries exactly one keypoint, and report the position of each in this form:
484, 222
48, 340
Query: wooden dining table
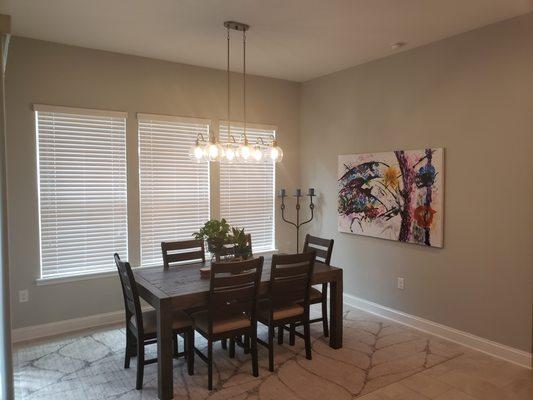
182, 287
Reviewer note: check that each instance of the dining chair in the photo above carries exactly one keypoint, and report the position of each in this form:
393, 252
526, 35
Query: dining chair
178, 252
228, 250
231, 312
141, 327
181, 251
288, 299
323, 249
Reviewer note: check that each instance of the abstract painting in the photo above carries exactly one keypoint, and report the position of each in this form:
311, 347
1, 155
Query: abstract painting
396, 195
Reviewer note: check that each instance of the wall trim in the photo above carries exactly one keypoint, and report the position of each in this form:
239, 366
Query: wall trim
504, 352
498, 350
70, 325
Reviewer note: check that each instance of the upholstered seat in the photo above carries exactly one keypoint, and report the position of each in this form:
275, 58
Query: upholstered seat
315, 296
281, 313
222, 325
180, 321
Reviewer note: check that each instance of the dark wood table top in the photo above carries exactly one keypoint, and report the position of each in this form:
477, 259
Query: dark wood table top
184, 281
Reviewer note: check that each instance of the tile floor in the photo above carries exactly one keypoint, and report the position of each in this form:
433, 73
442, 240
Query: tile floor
380, 360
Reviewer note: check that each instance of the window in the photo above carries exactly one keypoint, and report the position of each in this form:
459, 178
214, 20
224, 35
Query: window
82, 189
247, 190
174, 190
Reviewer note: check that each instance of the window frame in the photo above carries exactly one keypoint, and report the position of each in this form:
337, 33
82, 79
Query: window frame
169, 119
214, 202
45, 108
259, 126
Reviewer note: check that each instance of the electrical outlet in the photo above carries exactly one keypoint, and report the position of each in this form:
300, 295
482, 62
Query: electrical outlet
24, 296
400, 283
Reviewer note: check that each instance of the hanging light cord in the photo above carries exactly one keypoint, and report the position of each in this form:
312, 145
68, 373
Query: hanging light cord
228, 88
244, 82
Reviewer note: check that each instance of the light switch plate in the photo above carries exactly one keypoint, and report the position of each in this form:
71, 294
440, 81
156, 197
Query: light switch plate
24, 296
400, 283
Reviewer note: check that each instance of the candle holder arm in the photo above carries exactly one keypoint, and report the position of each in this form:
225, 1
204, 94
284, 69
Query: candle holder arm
310, 218
312, 208
283, 217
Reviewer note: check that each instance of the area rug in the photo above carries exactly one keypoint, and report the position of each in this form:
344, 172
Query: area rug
376, 353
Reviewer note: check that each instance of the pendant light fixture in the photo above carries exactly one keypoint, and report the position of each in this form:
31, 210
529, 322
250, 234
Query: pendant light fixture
211, 149
244, 151
230, 150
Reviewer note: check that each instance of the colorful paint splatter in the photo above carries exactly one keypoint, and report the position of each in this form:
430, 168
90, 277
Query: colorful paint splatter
394, 195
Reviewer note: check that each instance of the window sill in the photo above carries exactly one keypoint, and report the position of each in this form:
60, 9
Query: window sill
107, 274
75, 278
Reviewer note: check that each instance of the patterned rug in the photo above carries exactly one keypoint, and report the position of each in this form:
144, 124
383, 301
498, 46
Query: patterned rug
376, 353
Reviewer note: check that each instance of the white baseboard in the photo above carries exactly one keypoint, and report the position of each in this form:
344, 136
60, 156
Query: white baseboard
494, 349
507, 353
66, 326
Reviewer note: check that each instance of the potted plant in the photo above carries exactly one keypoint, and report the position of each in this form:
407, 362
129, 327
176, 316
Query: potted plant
215, 233
241, 245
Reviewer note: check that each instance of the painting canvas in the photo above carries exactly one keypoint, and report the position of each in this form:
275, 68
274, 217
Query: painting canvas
396, 195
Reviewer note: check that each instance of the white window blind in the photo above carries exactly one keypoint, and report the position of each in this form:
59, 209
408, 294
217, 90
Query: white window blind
82, 189
174, 190
247, 190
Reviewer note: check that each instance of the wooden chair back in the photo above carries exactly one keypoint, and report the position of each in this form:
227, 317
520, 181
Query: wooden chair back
234, 289
322, 247
229, 249
129, 291
290, 279
183, 250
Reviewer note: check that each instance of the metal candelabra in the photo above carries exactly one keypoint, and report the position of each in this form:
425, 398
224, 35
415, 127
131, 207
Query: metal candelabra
297, 224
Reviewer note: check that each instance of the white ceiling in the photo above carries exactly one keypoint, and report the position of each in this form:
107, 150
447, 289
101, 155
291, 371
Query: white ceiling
290, 39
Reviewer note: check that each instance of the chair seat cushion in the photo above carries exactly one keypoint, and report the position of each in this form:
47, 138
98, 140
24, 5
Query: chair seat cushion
315, 296
280, 313
180, 321
201, 322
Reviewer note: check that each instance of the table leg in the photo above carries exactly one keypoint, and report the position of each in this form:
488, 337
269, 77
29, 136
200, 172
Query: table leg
165, 388
335, 311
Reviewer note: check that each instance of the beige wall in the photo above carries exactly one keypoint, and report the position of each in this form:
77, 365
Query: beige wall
47, 73
473, 95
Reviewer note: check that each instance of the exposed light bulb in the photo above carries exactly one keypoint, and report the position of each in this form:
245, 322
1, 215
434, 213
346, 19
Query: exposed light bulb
229, 153
276, 154
245, 151
257, 154
213, 151
197, 152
